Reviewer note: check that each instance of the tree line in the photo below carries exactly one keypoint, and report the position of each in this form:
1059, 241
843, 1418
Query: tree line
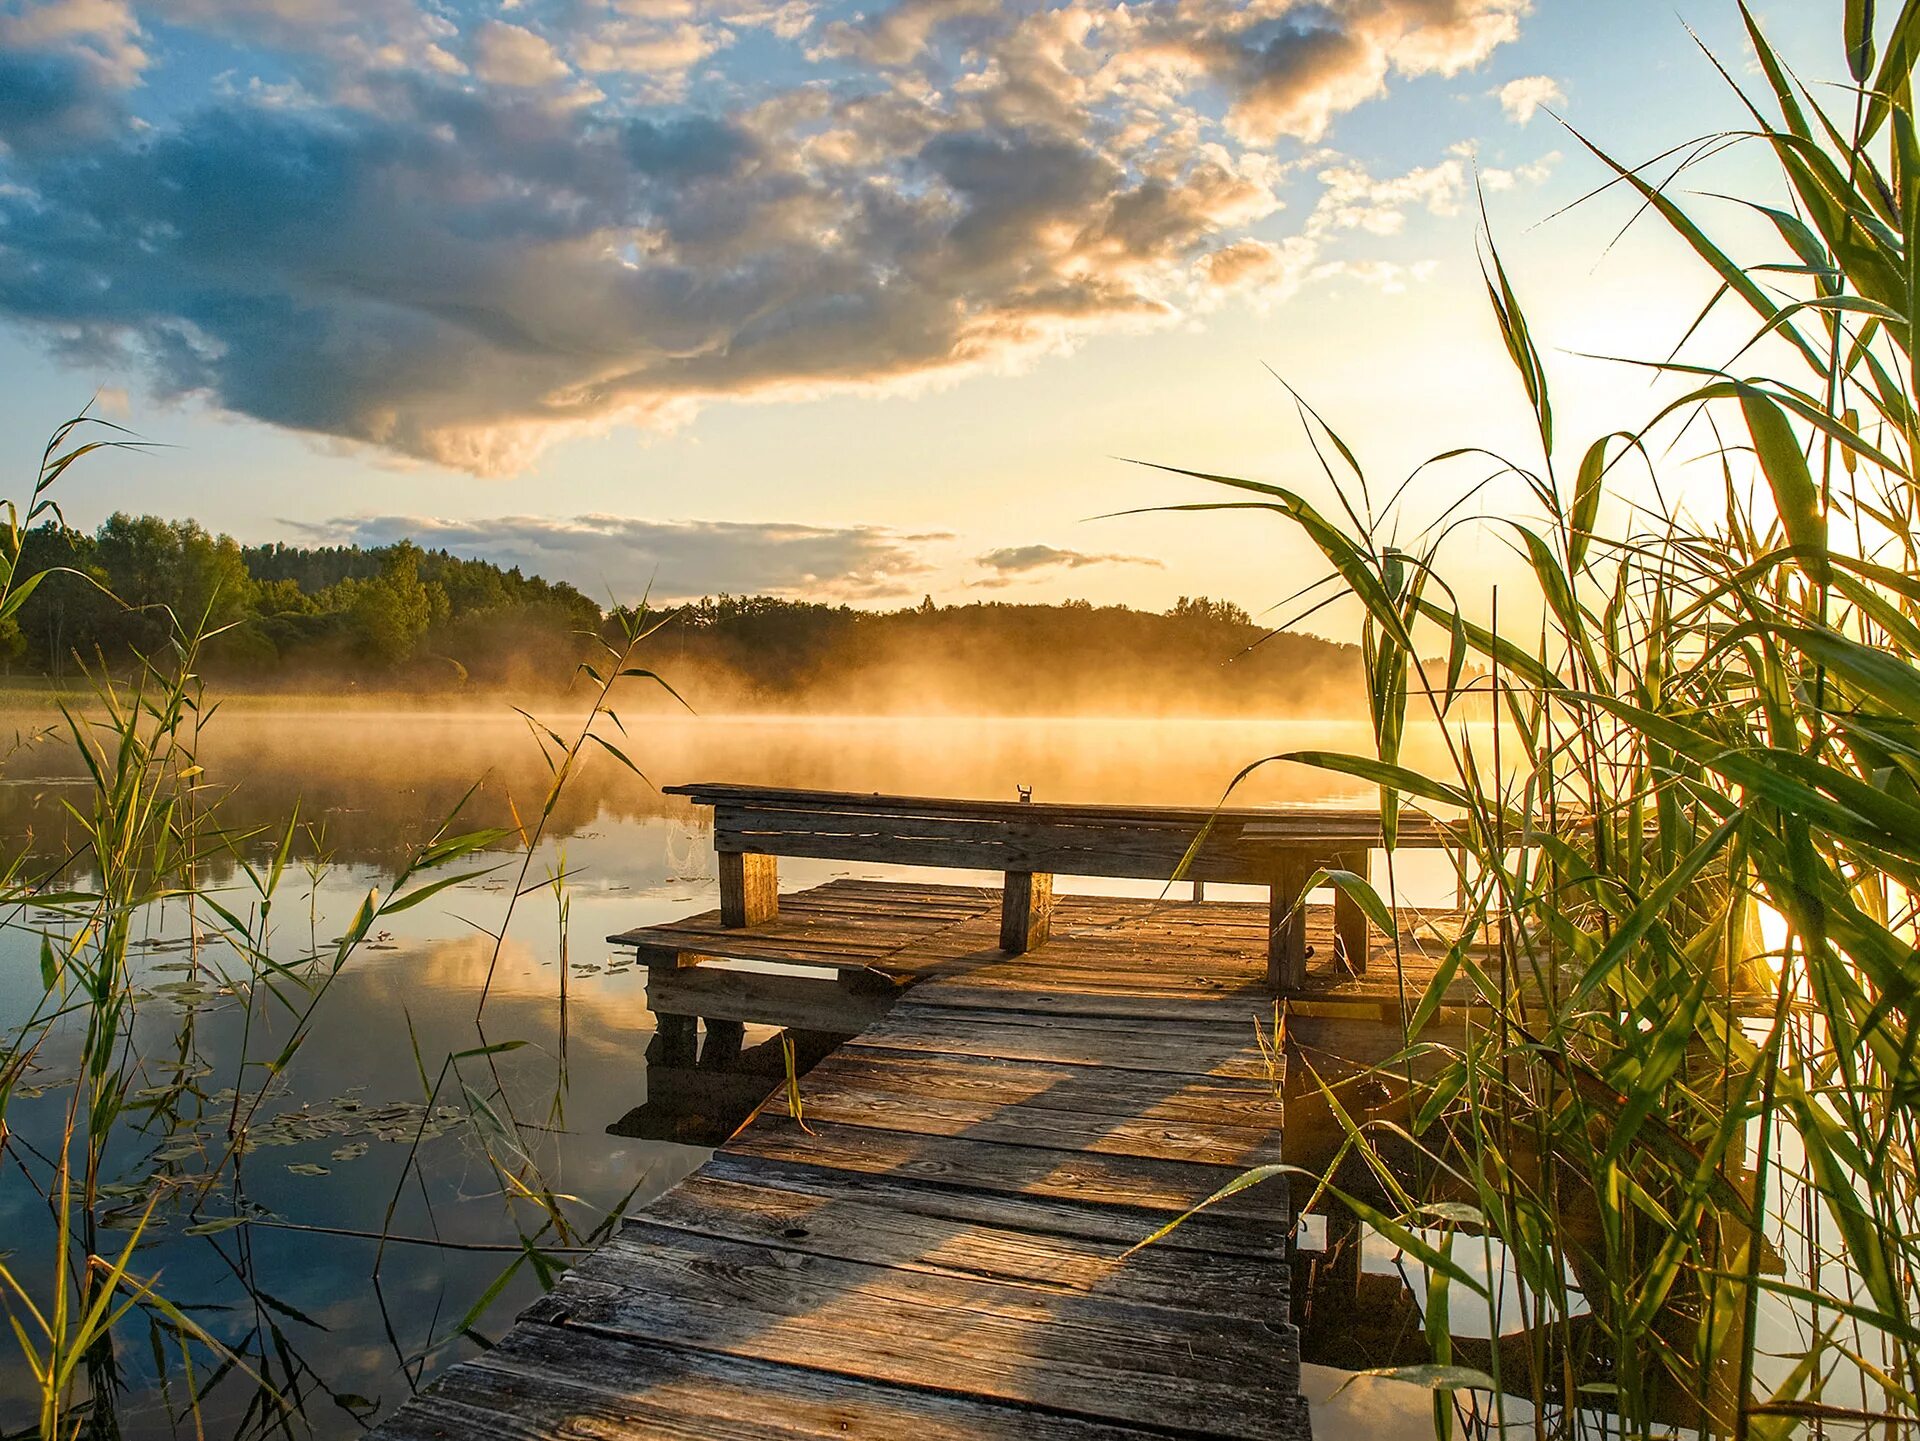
394, 614
403, 617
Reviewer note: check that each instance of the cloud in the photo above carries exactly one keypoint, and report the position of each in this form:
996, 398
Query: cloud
1522, 98
431, 236
65, 68
627, 556
506, 54
1022, 559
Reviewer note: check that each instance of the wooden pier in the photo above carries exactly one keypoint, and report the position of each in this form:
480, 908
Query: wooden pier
939, 1243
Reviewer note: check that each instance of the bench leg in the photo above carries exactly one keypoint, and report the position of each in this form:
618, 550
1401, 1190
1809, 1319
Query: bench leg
749, 889
1287, 929
1349, 920
1026, 911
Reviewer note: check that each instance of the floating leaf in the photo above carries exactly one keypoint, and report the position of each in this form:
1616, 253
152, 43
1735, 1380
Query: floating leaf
215, 1227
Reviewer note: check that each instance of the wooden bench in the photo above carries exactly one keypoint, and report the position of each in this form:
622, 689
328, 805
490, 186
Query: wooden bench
1276, 847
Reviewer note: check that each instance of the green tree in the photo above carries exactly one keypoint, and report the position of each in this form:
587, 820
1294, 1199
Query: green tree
390, 613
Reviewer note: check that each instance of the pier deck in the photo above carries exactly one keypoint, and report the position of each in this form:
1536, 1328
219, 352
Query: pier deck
938, 1246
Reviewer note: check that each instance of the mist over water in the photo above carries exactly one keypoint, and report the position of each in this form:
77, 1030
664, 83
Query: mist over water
377, 779
334, 1134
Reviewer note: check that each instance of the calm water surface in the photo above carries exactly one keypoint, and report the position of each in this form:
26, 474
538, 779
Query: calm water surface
339, 1325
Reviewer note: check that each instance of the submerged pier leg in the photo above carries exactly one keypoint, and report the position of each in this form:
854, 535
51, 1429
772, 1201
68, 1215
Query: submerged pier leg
676, 1040
724, 1039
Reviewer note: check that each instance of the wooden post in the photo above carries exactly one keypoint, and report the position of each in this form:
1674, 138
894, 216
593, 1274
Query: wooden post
1349, 920
676, 1040
1026, 911
1199, 891
1287, 925
724, 1039
749, 889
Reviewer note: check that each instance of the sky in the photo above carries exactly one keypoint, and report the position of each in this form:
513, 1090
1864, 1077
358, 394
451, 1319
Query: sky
843, 302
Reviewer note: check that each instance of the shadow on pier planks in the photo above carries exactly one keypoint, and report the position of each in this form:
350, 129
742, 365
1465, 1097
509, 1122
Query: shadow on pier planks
940, 1250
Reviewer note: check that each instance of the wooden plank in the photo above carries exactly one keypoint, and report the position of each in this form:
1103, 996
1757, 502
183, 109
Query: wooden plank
867, 1230
1213, 1233
749, 888
1116, 999
1126, 853
1026, 911
1101, 1358
943, 1248
811, 1003
545, 1382
1321, 818
830, 1101
1201, 1100
1178, 1047
1165, 1188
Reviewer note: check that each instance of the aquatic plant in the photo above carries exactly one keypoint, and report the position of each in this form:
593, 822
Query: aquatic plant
1686, 1105
142, 1144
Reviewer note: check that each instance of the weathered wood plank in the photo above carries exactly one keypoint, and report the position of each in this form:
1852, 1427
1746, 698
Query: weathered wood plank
854, 1229
545, 1382
848, 1004
1090, 1356
1142, 855
1178, 1047
1211, 1232
1199, 1100
1033, 1123
942, 1249
1168, 1188
1414, 826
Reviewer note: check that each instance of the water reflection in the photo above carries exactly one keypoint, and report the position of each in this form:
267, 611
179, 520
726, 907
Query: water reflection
373, 783
484, 1155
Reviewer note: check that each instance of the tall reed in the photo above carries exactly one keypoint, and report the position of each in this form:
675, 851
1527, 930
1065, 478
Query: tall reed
150, 835
1687, 1102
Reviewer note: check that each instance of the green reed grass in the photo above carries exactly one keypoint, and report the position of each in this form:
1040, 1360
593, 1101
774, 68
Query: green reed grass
1704, 725
151, 835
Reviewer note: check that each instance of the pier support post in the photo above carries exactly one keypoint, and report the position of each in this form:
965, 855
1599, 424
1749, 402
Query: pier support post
1026, 911
724, 1039
676, 1040
1287, 925
1349, 920
749, 889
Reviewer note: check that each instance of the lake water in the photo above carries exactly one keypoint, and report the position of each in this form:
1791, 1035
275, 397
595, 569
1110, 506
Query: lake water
465, 1164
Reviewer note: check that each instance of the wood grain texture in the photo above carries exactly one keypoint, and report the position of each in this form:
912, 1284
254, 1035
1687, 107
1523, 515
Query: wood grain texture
1026, 911
1084, 1355
541, 1382
749, 888
944, 1248
1415, 827
877, 1231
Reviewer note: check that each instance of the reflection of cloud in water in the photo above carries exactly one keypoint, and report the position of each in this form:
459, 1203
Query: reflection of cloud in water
1348, 1405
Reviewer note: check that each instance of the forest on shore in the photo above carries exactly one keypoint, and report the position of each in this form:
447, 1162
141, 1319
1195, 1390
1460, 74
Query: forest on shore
399, 618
